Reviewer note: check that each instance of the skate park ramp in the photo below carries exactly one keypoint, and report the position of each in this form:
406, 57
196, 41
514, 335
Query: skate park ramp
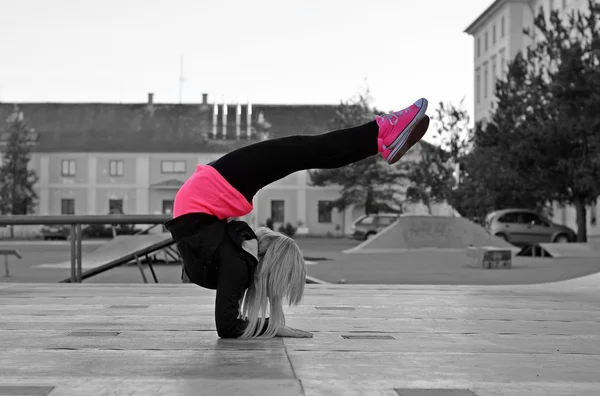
565, 250
118, 251
441, 233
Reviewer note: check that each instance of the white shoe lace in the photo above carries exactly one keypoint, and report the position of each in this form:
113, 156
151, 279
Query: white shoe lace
393, 118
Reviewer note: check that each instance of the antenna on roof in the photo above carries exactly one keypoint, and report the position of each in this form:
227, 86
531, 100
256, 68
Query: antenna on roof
181, 78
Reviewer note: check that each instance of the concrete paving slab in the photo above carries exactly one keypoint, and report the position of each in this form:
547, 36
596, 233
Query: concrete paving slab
369, 340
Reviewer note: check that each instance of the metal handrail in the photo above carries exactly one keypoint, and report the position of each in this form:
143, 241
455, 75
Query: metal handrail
6, 253
76, 221
84, 219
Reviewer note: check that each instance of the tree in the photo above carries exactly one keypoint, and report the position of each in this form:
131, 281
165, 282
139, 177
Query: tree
17, 192
542, 142
565, 72
433, 176
372, 183
504, 165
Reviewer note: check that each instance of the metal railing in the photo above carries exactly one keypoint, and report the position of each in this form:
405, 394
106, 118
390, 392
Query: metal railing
76, 221
6, 253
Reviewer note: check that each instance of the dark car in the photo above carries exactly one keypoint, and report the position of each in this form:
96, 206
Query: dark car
527, 227
50, 232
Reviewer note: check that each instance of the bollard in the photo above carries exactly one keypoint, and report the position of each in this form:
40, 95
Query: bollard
73, 254
78, 251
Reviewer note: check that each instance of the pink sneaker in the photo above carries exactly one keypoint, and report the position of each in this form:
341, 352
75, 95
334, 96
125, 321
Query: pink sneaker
395, 127
411, 137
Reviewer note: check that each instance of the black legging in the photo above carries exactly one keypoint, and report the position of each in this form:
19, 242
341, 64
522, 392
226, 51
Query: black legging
253, 167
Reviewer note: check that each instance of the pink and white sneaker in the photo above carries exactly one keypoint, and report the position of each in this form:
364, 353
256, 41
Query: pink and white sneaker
396, 130
414, 135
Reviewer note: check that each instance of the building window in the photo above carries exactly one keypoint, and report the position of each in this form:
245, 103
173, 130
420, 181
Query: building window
115, 168
67, 206
173, 166
115, 206
486, 41
277, 211
551, 5
502, 63
167, 206
494, 35
494, 76
67, 168
478, 46
564, 4
478, 85
485, 81
594, 214
325, 211
502, 27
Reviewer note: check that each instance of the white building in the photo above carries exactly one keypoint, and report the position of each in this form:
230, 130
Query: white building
498, 37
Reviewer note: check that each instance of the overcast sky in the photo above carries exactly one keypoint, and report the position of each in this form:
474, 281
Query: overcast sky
267, 51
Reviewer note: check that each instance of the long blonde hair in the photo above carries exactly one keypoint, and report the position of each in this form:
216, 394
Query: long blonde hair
281, 273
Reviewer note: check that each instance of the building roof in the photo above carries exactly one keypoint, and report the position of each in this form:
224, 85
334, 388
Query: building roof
485, 15
151, 127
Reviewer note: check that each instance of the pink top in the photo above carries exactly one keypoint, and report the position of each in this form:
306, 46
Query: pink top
206, 191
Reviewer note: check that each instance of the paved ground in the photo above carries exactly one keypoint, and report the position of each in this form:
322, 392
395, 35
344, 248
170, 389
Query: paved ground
48, 252
531, 340
405, 268
372, 268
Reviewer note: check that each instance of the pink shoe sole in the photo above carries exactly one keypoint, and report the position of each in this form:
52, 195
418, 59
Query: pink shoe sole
412, 137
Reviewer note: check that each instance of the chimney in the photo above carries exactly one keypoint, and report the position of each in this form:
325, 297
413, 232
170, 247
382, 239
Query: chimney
224, 113
249, 119
238, 116
204, 98
150, 98
215, 119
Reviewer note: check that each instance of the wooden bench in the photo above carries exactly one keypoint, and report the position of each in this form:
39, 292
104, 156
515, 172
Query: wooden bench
6, 253
489, 257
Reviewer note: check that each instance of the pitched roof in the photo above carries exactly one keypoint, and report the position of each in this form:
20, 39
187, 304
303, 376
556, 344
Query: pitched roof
108, 127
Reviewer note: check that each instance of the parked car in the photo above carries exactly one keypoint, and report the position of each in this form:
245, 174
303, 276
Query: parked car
368, 225
55, 232
527, 227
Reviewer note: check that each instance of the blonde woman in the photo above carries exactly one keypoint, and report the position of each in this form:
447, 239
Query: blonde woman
255, 273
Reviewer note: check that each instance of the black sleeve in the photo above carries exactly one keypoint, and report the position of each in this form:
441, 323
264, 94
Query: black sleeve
233, 280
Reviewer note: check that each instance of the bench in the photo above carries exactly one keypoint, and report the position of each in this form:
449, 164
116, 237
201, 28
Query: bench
6, 253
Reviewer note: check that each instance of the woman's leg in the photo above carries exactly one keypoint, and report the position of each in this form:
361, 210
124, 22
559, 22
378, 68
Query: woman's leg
251, 168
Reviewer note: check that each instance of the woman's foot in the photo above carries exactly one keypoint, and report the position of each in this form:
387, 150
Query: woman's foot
412, 136
394, 128
398, 131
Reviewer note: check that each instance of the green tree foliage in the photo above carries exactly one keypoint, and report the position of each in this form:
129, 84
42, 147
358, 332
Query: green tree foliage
541, 143
17, 181
433, 176
372, 183
565, 72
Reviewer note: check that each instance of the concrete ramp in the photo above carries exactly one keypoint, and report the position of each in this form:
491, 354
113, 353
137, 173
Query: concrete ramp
119, 251
568, 250
431, 232
118, 248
